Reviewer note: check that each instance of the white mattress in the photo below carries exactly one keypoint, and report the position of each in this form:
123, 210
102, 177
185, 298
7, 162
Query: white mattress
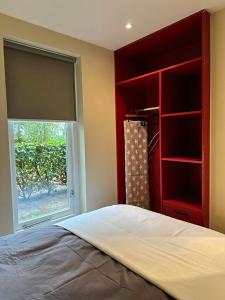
185, 260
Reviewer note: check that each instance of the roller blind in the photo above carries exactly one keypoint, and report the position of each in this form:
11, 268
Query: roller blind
40, 84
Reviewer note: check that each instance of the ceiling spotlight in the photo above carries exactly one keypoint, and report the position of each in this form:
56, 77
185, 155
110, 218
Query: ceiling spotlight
129, 25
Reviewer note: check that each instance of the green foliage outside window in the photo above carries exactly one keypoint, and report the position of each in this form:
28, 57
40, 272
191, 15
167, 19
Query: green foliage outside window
40, 151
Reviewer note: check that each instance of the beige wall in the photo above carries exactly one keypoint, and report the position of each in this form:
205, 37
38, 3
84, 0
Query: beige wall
97, 65
218, 121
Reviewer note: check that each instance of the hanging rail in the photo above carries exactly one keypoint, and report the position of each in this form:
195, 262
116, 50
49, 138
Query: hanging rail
147, 109
137, 115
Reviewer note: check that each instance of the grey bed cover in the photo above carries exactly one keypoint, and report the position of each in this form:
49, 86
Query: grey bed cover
50, 263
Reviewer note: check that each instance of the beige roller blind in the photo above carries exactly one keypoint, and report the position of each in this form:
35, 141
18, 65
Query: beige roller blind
40, 85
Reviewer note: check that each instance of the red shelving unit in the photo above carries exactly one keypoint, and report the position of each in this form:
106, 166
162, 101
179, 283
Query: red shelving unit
183, 114
170, 69
183, 204
181, 137
183, 159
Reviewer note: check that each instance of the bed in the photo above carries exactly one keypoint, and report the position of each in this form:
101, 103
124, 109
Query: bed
117, 252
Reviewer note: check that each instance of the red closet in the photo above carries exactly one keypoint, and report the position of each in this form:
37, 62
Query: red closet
169, 69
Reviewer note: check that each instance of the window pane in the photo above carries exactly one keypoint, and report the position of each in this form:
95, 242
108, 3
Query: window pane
41, 168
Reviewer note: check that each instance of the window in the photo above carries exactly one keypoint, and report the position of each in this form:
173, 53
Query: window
41, 85
44, 165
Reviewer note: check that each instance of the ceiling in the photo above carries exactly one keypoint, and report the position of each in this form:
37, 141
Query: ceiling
102, 22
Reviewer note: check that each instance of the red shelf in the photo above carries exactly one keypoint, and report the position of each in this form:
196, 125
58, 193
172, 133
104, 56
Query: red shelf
183, 204
183, 114
182, 182
181, 137
138, 79
184, 67
167, 47
183, 159
182, 89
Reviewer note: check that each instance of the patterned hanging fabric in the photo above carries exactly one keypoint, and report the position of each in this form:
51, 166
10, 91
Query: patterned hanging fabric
136, 163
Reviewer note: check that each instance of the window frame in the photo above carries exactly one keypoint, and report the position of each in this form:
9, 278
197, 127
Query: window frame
73, 192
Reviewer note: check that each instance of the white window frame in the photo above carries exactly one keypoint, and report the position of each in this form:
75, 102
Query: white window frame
72, 176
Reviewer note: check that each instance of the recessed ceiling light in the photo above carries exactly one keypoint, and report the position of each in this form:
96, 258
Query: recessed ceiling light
129, 25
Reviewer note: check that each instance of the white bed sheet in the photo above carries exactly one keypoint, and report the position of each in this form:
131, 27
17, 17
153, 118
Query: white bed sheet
185, 260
